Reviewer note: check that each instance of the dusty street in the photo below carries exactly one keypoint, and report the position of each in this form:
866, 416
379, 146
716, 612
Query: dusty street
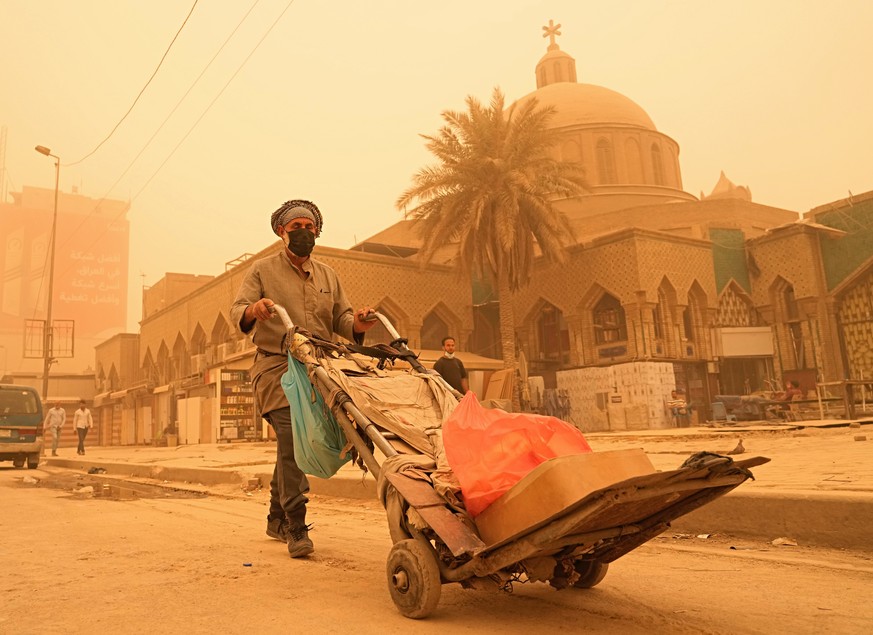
137, 562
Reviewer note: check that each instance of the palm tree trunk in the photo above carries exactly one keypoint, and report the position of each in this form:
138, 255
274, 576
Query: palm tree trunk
507, 331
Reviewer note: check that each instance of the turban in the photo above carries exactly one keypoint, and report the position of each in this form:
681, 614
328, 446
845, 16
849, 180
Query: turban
297, 208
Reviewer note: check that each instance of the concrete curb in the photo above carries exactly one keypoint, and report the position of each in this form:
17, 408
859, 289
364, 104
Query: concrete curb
202, 475
839, 520
833, 519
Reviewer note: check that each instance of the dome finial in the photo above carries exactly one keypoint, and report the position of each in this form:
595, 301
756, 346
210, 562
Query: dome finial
550, 32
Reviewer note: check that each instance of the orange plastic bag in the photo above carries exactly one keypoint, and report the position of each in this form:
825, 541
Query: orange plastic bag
490, 450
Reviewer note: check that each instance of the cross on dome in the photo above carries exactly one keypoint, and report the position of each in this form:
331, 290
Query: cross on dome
550, 32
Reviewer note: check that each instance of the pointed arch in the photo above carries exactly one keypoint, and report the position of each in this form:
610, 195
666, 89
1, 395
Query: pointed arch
609, 320
198, 341
163, 363
694, 320
396, 315
783, 300
665, 312
550, 332
113, 378
221, 332
180, 356
150, 368
437, 323
735, 307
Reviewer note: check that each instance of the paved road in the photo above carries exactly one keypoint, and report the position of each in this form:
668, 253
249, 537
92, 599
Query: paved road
176, 564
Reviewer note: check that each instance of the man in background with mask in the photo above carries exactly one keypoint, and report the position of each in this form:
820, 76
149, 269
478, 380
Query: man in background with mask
451, 368
311, 293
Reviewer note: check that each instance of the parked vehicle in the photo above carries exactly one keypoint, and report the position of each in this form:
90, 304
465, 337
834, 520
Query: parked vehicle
21, 432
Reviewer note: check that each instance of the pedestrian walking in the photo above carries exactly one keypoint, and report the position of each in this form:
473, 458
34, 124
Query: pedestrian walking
82, 422
314, 298
54, 421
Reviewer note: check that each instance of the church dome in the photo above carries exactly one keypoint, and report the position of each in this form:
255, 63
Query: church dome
589, 105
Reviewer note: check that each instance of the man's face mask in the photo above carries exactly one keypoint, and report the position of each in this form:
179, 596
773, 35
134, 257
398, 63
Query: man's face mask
300, 242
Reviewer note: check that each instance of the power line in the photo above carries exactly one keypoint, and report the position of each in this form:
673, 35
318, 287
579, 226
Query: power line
194, 125
72, 234
111, 132
220, 93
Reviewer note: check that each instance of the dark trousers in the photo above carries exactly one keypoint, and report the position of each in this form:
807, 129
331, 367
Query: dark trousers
289, 486
82, 432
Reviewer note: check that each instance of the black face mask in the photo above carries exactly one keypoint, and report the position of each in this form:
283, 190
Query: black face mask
300, 242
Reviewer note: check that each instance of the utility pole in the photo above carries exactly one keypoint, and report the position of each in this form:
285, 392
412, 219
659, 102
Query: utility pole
48, 339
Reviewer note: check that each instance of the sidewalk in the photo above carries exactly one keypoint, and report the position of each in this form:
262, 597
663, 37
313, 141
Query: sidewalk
817, 489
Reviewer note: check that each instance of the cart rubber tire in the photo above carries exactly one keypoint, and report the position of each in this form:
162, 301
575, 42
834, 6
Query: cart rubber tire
33, 461
413, 578
18, 462
591, 573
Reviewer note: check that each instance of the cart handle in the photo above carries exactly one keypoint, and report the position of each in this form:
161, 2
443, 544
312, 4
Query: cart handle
373, 316
278, 309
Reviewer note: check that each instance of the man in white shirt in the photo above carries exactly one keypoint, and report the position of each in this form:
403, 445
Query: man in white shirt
53, 423
82, 422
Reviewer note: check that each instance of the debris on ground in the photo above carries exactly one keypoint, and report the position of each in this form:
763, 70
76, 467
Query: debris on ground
860, 437
703, 536
97, 470
784, 542
30, 480
88, 489
737, 450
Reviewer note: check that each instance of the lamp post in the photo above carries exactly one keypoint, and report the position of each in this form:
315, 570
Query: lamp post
47, 341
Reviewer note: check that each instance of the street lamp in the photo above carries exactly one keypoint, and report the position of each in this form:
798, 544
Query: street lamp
47, 341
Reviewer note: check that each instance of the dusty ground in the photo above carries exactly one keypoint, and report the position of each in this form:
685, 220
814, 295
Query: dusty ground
168, 561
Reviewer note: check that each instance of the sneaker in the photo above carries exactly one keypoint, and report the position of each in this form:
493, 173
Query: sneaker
299, 544
277, 528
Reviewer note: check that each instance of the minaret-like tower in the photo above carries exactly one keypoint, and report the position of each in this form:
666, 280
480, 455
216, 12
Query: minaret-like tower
555, 66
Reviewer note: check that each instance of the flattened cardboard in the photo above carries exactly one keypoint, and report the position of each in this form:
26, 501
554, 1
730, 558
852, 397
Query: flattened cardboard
553, 486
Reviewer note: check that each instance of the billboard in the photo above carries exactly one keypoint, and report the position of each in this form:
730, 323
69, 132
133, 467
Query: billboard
90, 271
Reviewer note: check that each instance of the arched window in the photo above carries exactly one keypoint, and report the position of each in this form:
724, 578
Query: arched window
605, 162
634, 161
553, 335
657, 164
378, 334
791, 310
688, 323
609, 321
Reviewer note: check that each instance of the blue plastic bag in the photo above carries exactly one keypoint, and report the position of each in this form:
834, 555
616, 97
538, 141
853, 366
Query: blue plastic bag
318, 439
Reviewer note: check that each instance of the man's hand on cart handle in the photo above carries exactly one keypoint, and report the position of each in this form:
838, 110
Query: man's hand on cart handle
365, 319
262, 309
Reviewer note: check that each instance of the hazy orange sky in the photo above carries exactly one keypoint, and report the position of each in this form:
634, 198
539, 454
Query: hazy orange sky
774, 92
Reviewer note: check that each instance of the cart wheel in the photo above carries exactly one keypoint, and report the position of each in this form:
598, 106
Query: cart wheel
18, 462
413, 578
591, 573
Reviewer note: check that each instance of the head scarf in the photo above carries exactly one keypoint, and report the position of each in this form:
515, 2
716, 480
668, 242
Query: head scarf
298, 208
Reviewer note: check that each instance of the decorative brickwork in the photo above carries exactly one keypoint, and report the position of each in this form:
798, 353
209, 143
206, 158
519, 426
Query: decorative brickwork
856, 321
734, 308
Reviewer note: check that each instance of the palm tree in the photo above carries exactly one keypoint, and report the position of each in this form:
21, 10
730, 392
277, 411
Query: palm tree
491, 193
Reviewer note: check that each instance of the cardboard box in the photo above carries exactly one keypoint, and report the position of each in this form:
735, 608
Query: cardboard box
555, 485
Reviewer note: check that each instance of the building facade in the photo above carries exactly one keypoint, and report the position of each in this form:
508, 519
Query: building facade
714, 295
